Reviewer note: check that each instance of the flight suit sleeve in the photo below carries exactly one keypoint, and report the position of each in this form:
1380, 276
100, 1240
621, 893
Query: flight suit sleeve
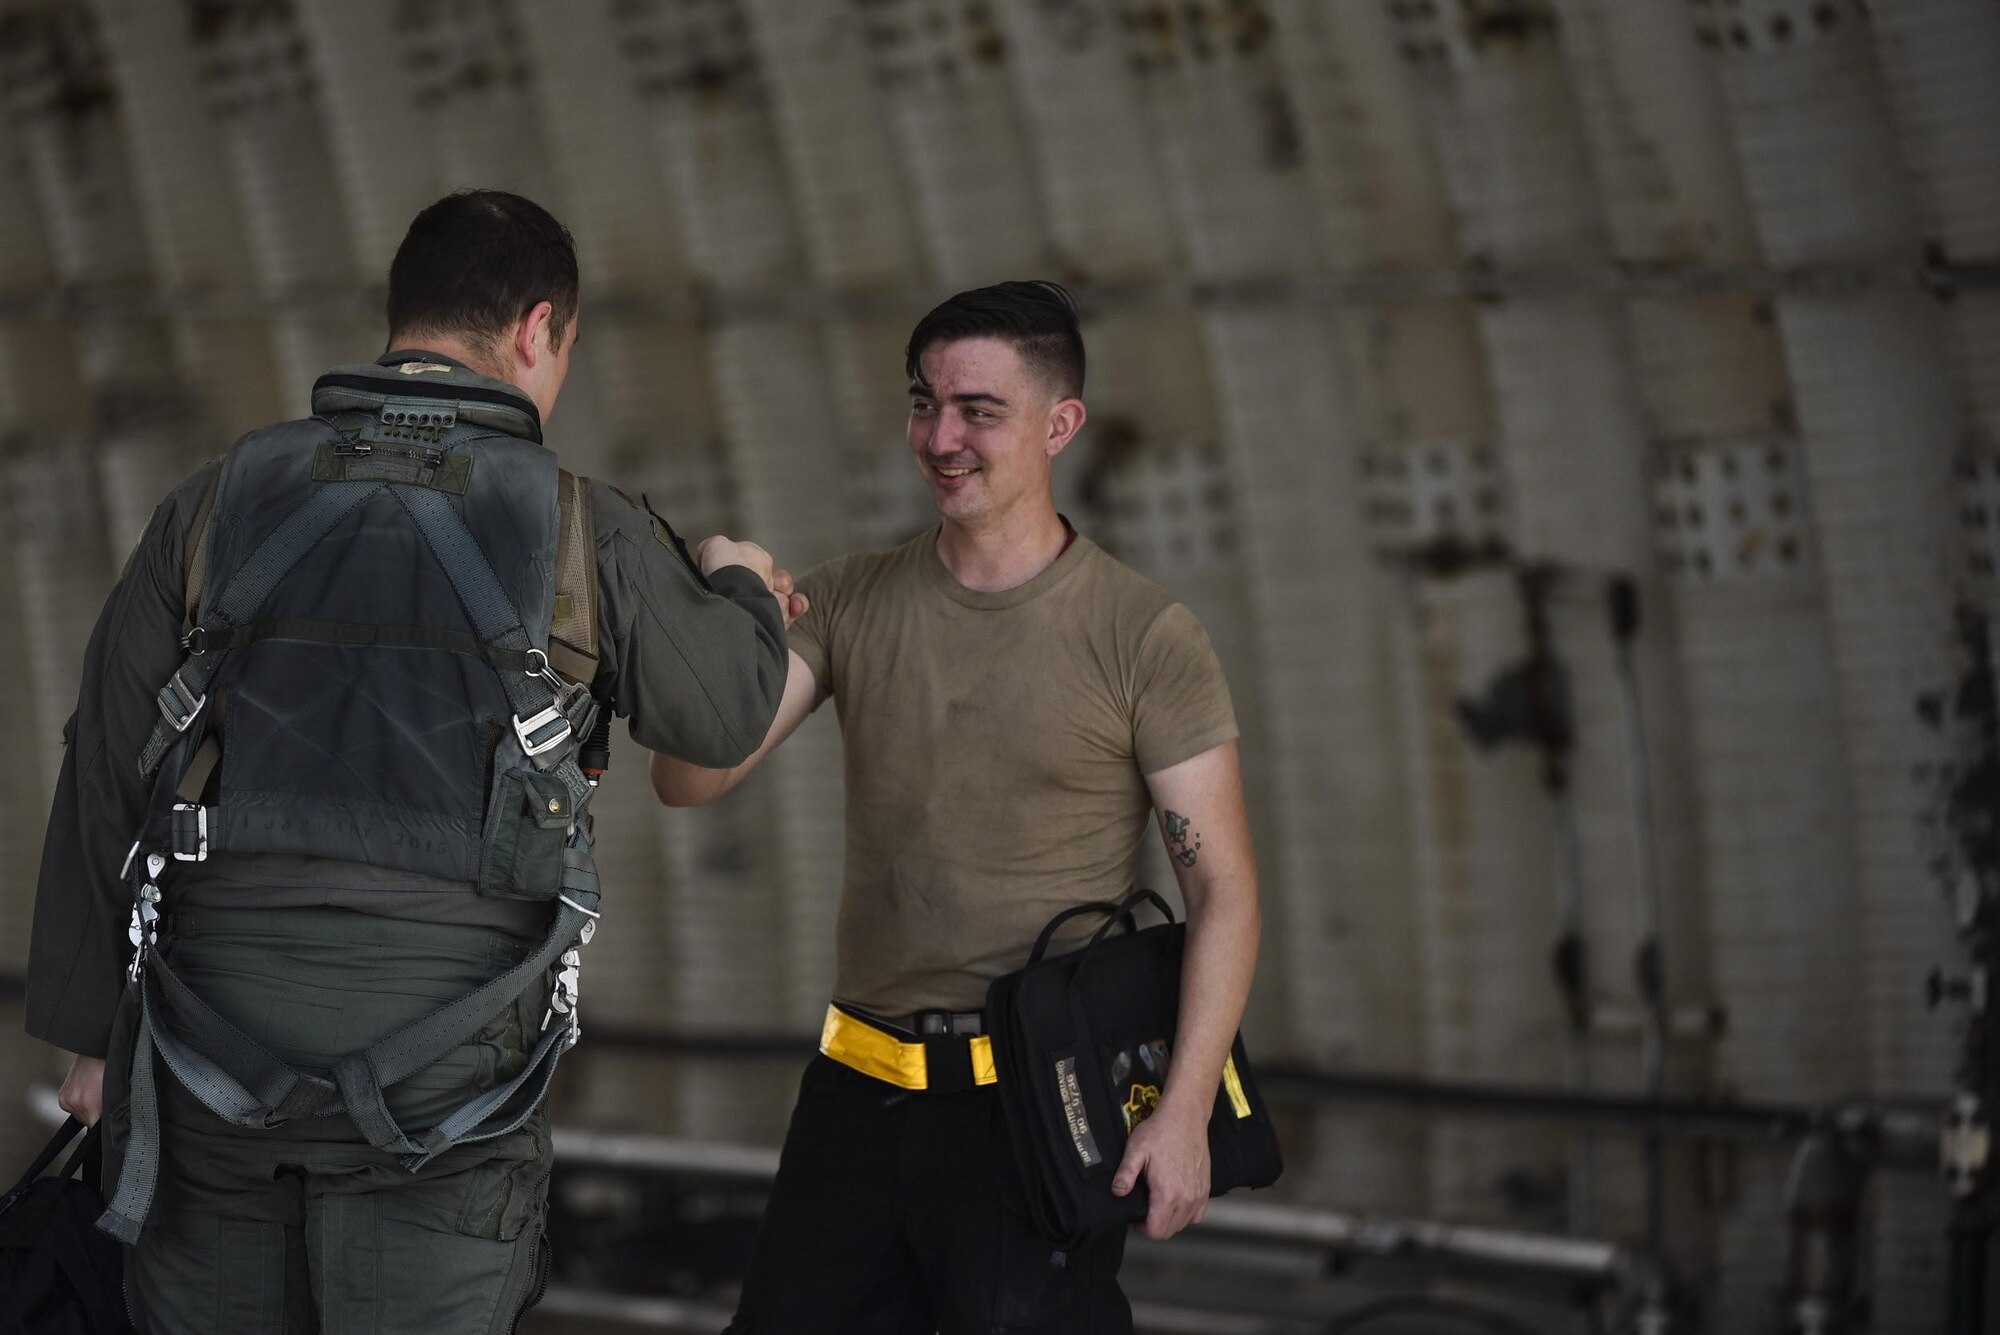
698, 665
78, 950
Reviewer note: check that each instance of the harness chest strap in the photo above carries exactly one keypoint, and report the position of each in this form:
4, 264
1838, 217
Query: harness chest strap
550, 715
573, 633
572, 647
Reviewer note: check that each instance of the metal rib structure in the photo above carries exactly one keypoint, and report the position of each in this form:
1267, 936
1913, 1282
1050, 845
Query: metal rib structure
1416, 329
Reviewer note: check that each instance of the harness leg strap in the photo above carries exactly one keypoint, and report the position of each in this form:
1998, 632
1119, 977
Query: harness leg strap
361, 1093
255, 1089
132, 1198
362, 1076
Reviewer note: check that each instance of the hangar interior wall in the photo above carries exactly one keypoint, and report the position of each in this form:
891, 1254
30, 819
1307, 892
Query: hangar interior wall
1414, 327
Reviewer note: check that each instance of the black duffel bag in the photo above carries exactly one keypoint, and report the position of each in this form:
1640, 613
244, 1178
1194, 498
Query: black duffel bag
58, 1274
1081, 1046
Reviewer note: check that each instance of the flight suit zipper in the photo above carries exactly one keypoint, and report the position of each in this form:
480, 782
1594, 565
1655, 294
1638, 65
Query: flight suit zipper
539, 1288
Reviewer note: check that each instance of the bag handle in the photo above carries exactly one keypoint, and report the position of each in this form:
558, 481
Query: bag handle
1114, 911
50, 1153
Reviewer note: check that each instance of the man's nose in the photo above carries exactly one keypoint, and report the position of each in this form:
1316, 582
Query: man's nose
944, 437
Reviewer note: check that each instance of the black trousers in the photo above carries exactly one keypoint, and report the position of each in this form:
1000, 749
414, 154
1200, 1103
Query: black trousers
899, 1213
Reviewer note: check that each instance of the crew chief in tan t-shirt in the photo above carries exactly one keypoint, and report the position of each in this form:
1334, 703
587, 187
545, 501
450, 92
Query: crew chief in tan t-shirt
1015, 705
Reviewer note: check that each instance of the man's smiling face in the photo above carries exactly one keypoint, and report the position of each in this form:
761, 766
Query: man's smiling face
981, 429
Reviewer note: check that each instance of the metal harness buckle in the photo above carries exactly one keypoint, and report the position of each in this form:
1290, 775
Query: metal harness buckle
199, 830
145, 924
564, 996
178, 705
547, 721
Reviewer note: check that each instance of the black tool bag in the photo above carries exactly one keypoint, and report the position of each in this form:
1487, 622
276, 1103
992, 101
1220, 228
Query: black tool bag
1081, 1044
58, 1274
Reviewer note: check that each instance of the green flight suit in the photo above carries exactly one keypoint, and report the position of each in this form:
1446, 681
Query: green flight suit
305, 1226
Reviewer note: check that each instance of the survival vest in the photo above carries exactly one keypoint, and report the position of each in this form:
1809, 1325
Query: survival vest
372, 675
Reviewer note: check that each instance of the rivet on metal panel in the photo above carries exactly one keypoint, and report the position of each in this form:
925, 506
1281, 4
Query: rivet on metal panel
52, 64
1978, 475
701, 49
1170, 509
1442, 505
1729, 508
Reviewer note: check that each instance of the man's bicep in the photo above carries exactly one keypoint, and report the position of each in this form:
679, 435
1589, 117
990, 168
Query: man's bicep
1202, 819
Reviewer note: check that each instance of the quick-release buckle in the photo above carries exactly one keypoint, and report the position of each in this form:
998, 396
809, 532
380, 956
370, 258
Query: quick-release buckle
566, 993
538, 666
542, 732
178, 705
548, 728
190, 835
145, 926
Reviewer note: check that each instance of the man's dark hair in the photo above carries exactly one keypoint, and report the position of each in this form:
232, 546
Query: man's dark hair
475, 262
1037, 317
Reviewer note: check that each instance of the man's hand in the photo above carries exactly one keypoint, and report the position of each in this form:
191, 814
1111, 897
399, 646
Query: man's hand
718, 551
1171, 1149
82, 1092
792, 602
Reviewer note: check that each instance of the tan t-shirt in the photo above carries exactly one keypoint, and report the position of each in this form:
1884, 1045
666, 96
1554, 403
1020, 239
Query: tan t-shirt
996, 747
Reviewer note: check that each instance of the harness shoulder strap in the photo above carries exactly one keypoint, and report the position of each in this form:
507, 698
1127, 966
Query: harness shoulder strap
573, 633
194, 557
182, 698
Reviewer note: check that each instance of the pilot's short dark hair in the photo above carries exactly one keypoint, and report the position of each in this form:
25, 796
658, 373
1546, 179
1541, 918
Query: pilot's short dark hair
475, 262
1037, 317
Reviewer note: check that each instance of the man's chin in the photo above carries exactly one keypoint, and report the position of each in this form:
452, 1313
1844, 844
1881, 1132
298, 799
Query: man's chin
956, 504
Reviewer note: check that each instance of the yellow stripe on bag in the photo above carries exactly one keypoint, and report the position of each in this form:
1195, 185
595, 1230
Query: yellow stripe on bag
1234, 1084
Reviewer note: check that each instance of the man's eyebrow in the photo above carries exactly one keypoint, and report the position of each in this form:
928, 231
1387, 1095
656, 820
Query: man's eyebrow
918, 387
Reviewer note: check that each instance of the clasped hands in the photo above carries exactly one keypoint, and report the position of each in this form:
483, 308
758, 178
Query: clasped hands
718, 551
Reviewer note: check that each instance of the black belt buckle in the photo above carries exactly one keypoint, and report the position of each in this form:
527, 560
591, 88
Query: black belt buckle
946, 1036
947, 1064
950, 1024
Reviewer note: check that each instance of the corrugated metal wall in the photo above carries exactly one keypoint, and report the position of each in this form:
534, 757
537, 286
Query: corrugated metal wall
1400, 312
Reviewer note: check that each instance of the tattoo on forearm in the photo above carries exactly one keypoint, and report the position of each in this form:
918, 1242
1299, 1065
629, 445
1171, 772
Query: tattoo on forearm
1183, 841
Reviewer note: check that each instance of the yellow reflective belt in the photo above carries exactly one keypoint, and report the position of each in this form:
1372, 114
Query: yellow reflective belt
857, 1044
982, 1061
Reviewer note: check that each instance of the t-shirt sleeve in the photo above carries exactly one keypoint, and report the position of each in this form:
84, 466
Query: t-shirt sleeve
812, 634
1180, 699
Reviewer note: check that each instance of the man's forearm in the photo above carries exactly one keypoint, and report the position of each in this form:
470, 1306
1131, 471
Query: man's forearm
1220, 960
680, 784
